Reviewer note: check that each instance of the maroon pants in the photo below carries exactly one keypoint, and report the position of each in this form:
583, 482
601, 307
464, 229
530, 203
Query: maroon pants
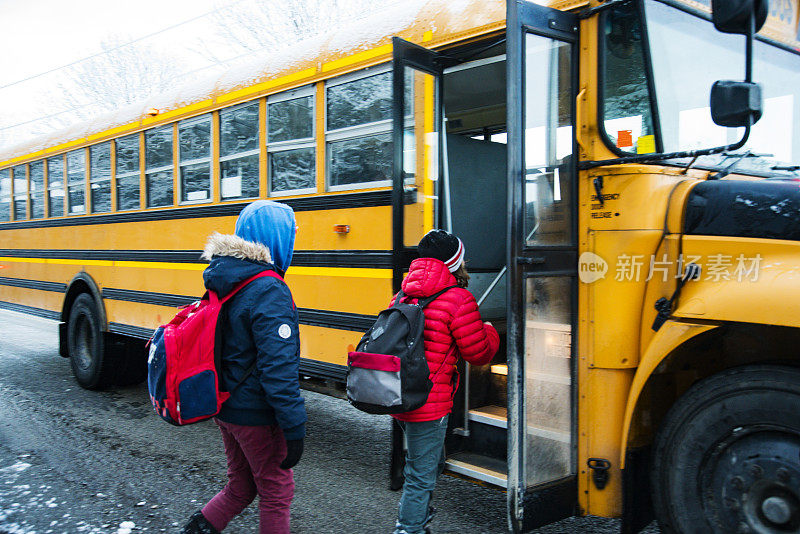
254, 455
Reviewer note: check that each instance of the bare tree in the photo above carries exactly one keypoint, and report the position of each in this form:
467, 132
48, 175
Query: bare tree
124, 74
128, 73
255, 25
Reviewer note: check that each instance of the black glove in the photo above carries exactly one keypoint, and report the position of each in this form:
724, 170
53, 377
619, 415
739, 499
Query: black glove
294, 450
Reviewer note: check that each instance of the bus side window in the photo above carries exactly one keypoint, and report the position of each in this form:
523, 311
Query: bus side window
20, 193
5, 194
194, 151
55, 186
239, 152
36, 191
127, 175
359, 132
158, 166
100, 177
290, 142
76, 182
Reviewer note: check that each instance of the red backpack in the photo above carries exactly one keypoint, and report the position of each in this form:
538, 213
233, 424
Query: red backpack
183, 368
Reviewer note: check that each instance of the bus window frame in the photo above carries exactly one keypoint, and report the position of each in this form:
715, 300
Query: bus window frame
354, 132
129, 174
649, 77
9, 196
145, 191
220, 159
19, 195
309, 91
53, 186
44, 190
93, 179
176, 152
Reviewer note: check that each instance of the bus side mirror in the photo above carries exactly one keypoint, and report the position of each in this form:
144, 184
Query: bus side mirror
738, 104
733, 16
735, 104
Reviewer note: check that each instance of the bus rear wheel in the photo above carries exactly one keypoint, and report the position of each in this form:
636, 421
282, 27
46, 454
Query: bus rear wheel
86, 345
727, 456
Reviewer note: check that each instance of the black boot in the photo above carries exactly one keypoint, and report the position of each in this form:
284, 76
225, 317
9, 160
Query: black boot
198, 524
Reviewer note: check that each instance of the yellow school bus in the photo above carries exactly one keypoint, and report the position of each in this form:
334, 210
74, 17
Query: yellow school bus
641, 262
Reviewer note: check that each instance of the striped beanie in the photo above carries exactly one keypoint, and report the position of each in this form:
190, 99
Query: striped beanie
442, 246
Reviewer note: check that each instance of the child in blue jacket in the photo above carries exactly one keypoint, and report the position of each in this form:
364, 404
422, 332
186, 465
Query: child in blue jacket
263, 422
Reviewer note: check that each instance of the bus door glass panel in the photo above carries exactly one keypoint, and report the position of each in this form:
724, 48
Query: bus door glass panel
420, 154
416, 119
548, 142
548, 222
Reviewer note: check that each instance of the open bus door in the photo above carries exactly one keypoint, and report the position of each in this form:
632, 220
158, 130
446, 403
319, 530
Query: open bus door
542, 289
416, 121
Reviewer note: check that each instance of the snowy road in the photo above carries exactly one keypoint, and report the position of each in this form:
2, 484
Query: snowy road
76, 461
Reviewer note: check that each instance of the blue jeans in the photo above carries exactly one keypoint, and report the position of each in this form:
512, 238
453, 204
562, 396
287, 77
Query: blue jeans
424, 462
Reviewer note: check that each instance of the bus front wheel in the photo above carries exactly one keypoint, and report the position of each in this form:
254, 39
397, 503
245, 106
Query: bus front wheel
86, 345
727, 456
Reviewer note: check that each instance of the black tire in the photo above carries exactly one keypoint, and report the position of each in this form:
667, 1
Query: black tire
85, 344
727, 456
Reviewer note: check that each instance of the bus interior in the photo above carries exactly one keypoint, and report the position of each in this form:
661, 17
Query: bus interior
474, 108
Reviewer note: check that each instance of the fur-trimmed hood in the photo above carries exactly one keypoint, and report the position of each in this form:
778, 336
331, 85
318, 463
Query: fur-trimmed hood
233, 260
236, 247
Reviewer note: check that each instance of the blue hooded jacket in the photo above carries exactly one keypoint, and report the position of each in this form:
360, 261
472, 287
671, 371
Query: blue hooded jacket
260, 322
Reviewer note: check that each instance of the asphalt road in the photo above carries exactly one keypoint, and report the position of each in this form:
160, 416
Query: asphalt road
77, 461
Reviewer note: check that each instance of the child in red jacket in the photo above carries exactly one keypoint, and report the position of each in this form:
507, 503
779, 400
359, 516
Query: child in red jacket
453, 328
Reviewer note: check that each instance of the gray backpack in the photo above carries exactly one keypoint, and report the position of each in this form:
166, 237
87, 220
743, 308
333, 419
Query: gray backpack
388, 372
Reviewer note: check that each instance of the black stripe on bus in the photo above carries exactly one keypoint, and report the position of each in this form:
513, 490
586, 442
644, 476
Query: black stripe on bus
318, 203
355, 322
130, 330
30, 310
41, 285
323, 369
147, 297
170, 256
327, 319
378, 259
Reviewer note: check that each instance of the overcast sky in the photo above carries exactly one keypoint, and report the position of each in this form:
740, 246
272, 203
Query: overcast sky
40, 35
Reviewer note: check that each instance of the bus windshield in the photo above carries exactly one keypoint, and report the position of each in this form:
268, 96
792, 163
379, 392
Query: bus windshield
687, 56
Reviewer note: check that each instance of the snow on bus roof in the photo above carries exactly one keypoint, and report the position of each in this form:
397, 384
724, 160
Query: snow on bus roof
410, 20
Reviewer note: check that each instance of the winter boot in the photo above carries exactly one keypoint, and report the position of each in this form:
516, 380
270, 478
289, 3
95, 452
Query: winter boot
198, 524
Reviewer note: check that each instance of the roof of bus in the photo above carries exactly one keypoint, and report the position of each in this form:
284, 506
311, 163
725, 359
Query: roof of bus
430, 22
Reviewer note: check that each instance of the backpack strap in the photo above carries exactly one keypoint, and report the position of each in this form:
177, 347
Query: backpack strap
399, 297
424, 302
243, 283
239, 286
244, 377
421, 302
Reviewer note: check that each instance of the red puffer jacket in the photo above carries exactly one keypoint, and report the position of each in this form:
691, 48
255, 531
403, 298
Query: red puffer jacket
453, 327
